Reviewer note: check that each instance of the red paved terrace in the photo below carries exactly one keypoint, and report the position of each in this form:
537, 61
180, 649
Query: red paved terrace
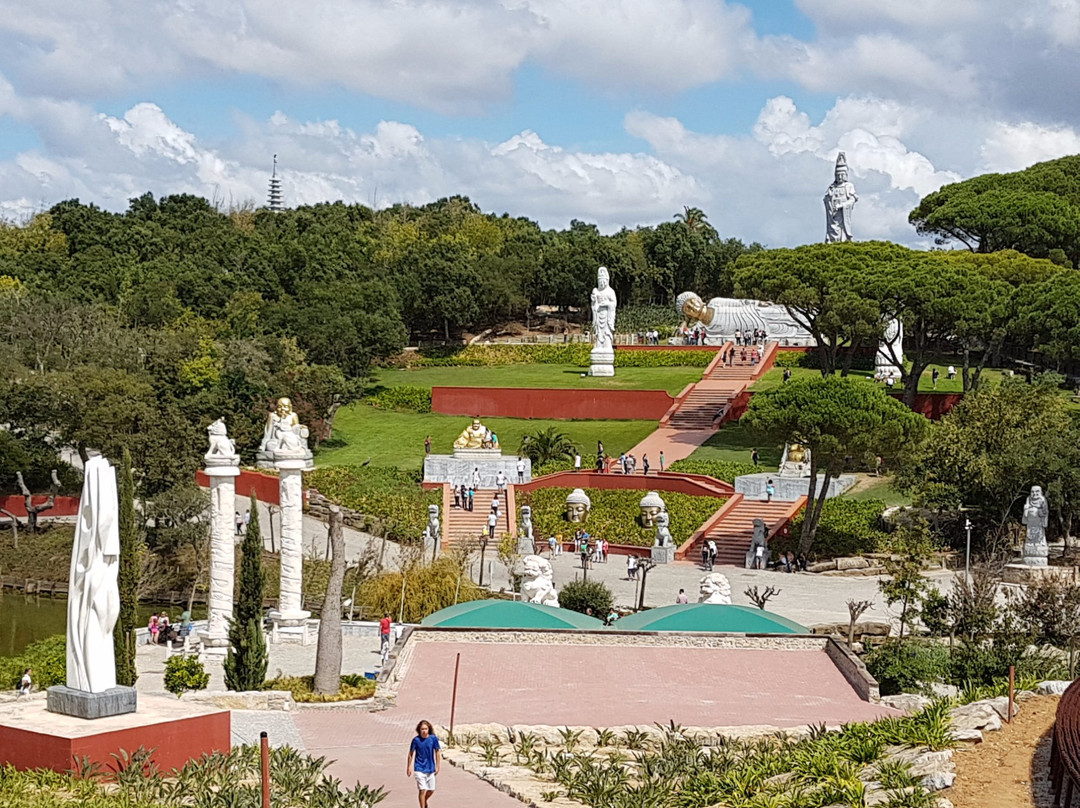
612, 685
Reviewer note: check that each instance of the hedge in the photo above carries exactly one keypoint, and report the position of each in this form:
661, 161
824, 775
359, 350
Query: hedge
428, 588
404, 397
392, 495
575, 353
848, 527
726, 470
614, 515
47, 658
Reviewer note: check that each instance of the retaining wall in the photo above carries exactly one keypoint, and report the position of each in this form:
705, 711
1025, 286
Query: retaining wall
62, 506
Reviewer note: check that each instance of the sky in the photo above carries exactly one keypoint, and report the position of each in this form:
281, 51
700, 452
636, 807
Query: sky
617, 112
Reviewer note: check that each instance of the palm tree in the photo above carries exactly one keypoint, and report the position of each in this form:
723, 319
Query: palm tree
696, 221
546, 446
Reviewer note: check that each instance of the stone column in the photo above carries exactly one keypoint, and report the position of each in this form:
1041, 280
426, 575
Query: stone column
290, 612
222, 467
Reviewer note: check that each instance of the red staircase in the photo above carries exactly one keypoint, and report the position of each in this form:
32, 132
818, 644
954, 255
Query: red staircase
460, 525
704, 404
732, 527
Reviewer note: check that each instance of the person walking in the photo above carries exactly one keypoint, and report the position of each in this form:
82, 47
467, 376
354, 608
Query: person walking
661, 460
424, 759
239, 524
247, 519
631, 567
154, 626
645, 465
26, 684
476, 477
935, 374
770, 490
521, 470
755, 458
712, 554
681, 597
472, 497
577, 460
427, 445
500, 482
384, 635
493, 519
585, 552
704, 555
787, 374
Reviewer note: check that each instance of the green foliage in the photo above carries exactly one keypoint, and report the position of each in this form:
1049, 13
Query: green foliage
428, 588
910, 667
576, 353
353, 687
911, 547
614, 515
47, 658
402, 397
228, 779
547, 447
847, 527
634, 318
247, 658
130, 568
390, 497
578, 595
720, 469
183, 673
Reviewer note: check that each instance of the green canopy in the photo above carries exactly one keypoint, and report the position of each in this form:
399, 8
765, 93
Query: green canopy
709, 617
508, 614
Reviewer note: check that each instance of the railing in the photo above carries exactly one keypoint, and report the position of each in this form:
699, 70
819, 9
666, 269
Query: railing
1065, 747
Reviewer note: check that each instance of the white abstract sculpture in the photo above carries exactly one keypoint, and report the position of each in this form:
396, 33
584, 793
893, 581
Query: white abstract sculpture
222, 467
604, 303
1036, 516
537, 585
723, 316
94, 598
715, 589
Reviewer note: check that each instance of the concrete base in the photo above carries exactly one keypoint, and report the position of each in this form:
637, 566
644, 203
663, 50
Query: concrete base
1023, 574
601, 370
788, 489
525, 546
292, 628
663, 555
31, 737
64, 700
458, 467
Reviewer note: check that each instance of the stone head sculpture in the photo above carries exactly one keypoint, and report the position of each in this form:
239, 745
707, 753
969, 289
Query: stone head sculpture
651, 504
841, 168
284, 407
577, 505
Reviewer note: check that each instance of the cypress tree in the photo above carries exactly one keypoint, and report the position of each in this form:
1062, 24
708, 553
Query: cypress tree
245, 664
127, 576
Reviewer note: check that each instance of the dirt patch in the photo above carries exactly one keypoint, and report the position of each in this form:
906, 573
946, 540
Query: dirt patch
1011, 767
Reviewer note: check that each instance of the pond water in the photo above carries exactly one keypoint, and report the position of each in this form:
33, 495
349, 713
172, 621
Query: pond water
27, 619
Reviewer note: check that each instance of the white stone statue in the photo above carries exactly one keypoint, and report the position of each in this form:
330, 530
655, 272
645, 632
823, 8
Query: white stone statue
284, 435
892, 344
432, 532
1036, 516
651, 505
93, 597
795, 462
536, 583
663, 531
715, 589
723, 316
222, 449
840, 198
604, 303
758, 553
526, 544
578, 505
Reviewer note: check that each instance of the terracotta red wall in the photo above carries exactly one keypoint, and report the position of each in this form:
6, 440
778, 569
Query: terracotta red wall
533, 402
265, 486
667, 347
933, 405
62, 506
695, 485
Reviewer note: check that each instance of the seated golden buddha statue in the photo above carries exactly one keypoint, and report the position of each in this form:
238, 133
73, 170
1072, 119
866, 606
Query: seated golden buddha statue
475, 436
796, 453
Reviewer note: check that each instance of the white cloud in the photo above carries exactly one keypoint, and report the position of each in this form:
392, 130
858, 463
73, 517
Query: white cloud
1011, 147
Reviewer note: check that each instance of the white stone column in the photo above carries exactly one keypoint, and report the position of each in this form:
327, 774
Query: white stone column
290, 612
215, 639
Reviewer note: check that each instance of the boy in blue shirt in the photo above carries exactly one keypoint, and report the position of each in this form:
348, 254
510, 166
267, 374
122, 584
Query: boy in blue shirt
424, 761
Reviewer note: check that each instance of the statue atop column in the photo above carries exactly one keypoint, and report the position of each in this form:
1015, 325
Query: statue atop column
602, 356
284, 436
222, 449
840, 198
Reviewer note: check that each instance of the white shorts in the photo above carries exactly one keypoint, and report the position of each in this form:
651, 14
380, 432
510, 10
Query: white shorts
425, 781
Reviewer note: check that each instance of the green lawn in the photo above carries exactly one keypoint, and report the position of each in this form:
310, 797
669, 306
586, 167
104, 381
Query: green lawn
671, 379
870, 487
733, 443
397, 438
773, 378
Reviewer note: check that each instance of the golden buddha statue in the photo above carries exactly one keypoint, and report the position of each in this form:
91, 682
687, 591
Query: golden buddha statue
474, 436
796, 453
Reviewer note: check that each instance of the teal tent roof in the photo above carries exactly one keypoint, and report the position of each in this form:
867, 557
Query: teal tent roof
709, 617
508, 614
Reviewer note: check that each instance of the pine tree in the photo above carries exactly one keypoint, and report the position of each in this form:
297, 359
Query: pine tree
127, 577
245, 665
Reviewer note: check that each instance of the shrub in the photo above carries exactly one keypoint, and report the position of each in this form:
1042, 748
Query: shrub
581, 595
185, 673
726, 470
567, 354
646, 317
403, 397
908, 668
428, 588
614, 515
353, 686
393, 497
47, 657
848, 527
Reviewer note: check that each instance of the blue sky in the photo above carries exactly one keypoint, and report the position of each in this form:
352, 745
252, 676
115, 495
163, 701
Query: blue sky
616, 111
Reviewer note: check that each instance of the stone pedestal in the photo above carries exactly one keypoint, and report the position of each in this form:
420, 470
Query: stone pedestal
525, 546
457, 468
663, 555
65, 700
290, 612
602, 362
222, 473
788, 489
1024, 574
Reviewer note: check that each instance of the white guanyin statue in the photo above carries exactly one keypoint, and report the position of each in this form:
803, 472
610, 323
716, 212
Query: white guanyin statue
715, 588
604, 303
537, 585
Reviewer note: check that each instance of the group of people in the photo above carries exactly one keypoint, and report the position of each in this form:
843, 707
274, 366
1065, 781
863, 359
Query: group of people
694, 336
748, 338
242, 522
648, 337
628, 463
591, 550
162, 631
708, 554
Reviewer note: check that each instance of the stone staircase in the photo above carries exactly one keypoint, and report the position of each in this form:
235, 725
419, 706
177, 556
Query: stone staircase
460, 525
720, 385
734, 529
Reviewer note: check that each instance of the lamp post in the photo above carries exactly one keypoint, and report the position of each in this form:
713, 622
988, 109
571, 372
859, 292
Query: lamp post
967, 553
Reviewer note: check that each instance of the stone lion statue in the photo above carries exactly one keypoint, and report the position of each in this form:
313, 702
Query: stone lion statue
715, 589
220, 443
536, 583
